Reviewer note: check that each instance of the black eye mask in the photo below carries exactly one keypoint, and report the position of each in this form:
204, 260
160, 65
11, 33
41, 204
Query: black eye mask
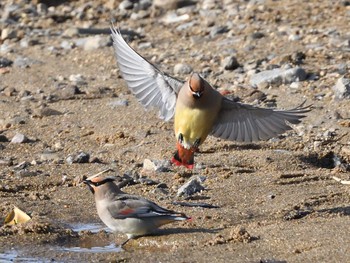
96, 184
196, 94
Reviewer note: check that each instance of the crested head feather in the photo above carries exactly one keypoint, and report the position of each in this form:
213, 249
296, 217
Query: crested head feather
196, 83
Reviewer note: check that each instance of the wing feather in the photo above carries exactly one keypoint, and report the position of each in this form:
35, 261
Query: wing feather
152, 88
246, 123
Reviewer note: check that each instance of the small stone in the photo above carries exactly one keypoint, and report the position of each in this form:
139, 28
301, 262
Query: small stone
257, 35
8, 33
19, 138
144, 4
46, 111
9, 91
117, 103
126, 5
342, 88
42, 8
3, 138
218, 30
24, 62
172, 17
162, 185
66, 91
93, 43
192, 186
71, 32
278, 76
4, 62
145, 45
82, 158
77, 79
230, 63
182, 69
156, 165
70, 159
166, 5
65, 44
26, 42
49, 156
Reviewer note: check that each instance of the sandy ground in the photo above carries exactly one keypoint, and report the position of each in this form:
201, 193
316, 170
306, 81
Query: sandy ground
277, 200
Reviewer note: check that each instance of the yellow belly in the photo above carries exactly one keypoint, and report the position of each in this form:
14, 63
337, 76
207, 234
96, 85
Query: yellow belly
193, 124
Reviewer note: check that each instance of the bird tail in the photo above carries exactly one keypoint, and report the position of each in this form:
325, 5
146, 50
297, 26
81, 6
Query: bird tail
184, 156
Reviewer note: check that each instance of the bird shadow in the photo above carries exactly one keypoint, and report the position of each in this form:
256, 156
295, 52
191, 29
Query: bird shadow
230, 147
320, 161
341, 210
179, 230
174, 231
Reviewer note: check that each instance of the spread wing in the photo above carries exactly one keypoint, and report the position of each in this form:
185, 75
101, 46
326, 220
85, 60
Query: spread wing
245, 123
151, 87
129, 206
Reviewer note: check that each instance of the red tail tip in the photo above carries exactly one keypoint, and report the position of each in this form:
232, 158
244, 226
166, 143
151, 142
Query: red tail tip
178, 163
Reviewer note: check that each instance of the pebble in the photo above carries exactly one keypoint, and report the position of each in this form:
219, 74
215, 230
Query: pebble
71, 32
79, 158
230, 63
47, 111
49, 156
172, 17
156, 165
342, 89
93, 43
167, 5
19, 138
117, 103
65, 44
8, 33
82, 157
126, 5
25, 62
218, 30
257, 35
66, 91
4, 62
3, 138
182, 69
192, 186
143, 4
77, 79
9, 91
278, 76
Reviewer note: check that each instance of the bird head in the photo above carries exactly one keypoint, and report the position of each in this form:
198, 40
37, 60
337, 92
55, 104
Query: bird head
196, 85
96, 183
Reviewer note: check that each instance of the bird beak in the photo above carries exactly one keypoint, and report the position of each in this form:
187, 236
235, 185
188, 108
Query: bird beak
87, 182
197, 94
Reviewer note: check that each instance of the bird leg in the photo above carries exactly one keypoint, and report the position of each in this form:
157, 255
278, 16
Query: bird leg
180, 138
196, 143
124, 243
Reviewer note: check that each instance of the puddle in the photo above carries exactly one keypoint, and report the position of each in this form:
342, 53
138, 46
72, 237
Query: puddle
94, 249
91, 243
92, 227
14, 256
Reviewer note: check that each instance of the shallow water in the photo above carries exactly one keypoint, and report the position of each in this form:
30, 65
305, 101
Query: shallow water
94, 249
92, 227
14, 256
90, 244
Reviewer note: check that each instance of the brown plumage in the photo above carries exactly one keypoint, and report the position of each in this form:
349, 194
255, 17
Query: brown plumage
130, 214
198, 108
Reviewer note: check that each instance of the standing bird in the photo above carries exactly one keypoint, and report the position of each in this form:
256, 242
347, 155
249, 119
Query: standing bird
199, 109
135, 216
